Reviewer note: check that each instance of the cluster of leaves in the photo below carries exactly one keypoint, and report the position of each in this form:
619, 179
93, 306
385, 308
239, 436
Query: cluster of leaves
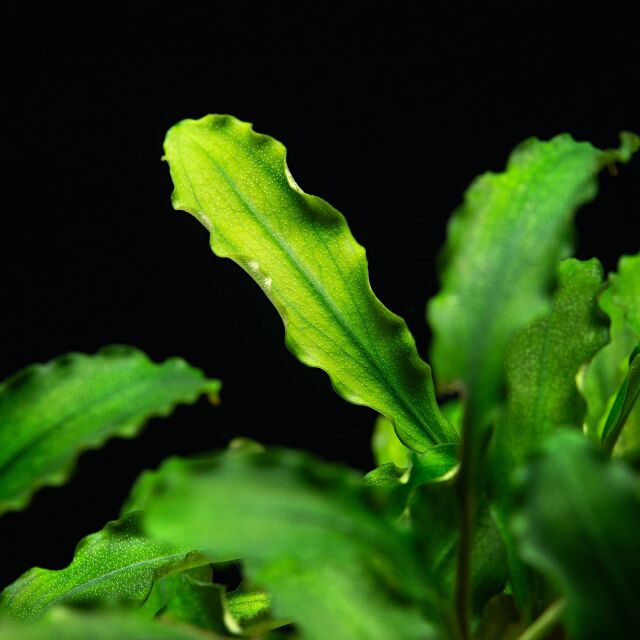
509, 511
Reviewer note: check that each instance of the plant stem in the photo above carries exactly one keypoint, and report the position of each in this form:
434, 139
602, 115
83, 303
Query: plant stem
543, 625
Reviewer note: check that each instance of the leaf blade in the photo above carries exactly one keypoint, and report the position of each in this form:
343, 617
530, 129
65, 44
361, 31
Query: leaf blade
570, 493
300, 251
117, 564
66, 624
623, 404
609, 371
542, 364
50, 413
306, 531
503, 245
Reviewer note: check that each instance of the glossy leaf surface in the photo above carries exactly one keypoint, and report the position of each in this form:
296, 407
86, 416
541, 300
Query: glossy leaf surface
578, 523
309, 532
609, 371
118, 564
300, 251
63, 624
503, 245
50, 413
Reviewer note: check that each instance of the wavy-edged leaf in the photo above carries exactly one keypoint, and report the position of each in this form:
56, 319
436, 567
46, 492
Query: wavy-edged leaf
117, 564
578, 523
300, 251
50, 413
542, 364
63, 624
502, 249
309, 532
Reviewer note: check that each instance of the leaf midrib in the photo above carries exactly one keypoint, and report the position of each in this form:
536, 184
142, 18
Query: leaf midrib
317, 289
106, 576
78, 410
479, 334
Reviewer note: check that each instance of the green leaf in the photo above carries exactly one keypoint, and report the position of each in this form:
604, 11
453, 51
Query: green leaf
541, 368
578, 523
300, 251
307, 531
118, 563
50, 413
609, 370
386, 446
251, 611
247, 605
435, 515
625, 290
63, 624
398, 483
502, 249
189, 597
623, 403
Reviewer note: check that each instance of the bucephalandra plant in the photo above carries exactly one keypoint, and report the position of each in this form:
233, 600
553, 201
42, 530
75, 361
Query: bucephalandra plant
511, 510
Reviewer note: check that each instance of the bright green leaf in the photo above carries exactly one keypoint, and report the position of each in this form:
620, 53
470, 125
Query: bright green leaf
62, 624
189, 597
118, 564
386, 446
609, 370
300, 251
251, 612
502, 249
50, 413
309, 532
434, 465
578, 523
624, 403
247, 605
541, 368
625, 290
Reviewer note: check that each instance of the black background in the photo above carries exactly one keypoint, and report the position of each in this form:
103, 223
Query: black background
387, 112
